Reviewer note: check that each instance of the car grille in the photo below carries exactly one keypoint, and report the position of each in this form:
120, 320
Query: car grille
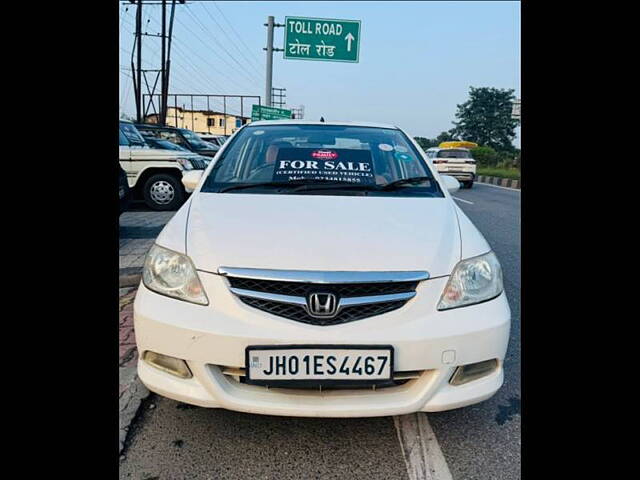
304, 289
198, 163
354, 299
299, 314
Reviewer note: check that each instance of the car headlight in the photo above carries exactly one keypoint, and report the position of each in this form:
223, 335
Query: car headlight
473, 280
186, 164
173, 274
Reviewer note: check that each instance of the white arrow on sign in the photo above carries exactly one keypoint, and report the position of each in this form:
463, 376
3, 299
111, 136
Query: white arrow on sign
349, 38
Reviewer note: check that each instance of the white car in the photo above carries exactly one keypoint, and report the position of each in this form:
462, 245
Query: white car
155, 174
456, 162
321, 270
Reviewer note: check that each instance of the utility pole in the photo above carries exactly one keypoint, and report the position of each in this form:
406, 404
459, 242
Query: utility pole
139, 74
138, 86
269, 77
163, 76
165, 93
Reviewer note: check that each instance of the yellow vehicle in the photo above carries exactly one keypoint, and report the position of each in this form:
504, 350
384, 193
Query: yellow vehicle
460, 144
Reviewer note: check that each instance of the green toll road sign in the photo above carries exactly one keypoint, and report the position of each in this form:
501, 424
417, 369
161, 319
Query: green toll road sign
261, 112
324, 39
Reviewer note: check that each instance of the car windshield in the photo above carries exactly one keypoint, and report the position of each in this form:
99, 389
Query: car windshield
454, 154
194, 140
326, 159
132, 133
164, 144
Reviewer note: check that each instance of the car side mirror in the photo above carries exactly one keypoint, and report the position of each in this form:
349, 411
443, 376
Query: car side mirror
451, 183
191, 179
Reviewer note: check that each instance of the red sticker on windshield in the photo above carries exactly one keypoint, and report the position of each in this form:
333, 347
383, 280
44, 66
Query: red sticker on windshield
324, 155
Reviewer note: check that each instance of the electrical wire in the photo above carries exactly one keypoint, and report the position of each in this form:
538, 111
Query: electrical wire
245, 75
252, 63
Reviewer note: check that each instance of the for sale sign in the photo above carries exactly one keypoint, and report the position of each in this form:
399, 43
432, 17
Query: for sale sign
324, 164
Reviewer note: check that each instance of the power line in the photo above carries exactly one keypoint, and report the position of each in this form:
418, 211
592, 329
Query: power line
252, 63
208, 32
206, 81
251, 52
177, 41
195, 67
249, 77
232, 80
181, 79
188, 73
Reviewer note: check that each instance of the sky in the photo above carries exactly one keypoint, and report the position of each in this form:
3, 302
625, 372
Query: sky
417, 59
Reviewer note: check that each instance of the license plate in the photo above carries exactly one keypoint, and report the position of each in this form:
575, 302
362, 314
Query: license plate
273, 364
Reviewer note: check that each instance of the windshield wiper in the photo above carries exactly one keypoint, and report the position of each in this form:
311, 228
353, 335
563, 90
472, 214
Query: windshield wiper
404, 182
307, 184
291, 183
365, 186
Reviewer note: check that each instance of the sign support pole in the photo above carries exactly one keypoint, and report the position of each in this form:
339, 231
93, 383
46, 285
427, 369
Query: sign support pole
269, 49
269, 76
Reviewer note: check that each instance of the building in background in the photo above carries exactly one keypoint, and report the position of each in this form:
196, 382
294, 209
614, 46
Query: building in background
201, 121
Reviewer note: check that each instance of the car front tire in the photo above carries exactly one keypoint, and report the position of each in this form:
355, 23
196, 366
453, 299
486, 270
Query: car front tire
163, 192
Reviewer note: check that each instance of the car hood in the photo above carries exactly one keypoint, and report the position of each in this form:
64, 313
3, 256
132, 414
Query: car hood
319, 232
207, 152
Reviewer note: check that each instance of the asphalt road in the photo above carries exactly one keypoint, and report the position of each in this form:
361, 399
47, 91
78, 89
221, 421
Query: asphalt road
483, 441
174, 441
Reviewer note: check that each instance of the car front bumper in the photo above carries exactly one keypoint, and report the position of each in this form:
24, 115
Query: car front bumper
210, 338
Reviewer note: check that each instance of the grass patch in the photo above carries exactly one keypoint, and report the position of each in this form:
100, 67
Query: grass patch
513, 173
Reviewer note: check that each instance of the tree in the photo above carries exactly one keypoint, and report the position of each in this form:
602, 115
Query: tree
486, 118
425, 143
485, 156
444, 137
434, 142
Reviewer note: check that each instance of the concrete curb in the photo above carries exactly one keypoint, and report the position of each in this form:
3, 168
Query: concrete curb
130, 277
130, 400
501, 182
132, 391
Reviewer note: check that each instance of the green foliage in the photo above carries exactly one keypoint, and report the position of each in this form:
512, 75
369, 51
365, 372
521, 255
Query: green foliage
499, 172
486, 118
485, 156
424, 143
434, 142
445, 137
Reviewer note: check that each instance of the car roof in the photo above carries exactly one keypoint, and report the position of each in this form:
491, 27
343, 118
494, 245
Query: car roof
265, 123
157, 127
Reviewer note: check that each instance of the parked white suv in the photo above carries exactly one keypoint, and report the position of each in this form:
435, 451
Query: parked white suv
456, 162
154, 174
324, 270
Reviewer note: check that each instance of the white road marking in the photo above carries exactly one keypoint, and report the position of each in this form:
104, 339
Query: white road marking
420, 448
498, 186
465, 201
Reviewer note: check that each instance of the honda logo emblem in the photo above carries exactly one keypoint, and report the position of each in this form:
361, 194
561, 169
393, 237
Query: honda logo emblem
322, 305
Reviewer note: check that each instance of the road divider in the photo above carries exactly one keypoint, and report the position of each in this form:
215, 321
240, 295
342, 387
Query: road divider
500, 182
